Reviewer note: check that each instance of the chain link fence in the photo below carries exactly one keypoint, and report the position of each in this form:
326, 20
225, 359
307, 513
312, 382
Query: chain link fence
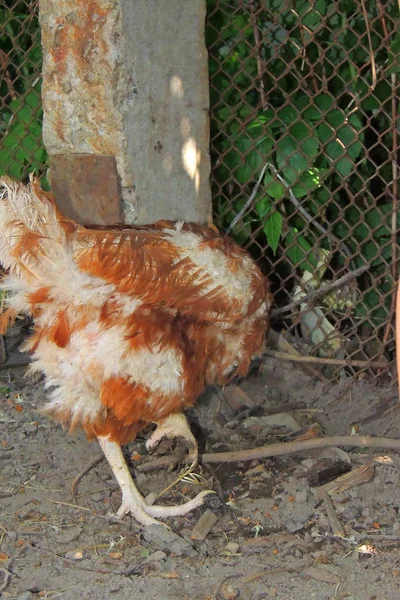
304, 144
21, 146
304, 97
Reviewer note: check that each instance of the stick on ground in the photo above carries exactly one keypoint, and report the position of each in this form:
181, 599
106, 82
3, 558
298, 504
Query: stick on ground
282, 449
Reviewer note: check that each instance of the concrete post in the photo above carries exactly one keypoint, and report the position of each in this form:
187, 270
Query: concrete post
125, 97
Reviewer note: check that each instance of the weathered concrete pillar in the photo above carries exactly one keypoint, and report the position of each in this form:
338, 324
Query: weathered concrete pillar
125, 97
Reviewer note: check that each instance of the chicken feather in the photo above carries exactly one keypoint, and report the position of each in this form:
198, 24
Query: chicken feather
130, 323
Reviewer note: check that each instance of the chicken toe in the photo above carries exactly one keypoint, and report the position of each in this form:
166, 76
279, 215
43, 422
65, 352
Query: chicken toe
132, 500
174, 426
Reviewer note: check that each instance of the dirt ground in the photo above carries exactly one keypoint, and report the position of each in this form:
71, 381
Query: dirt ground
272, 537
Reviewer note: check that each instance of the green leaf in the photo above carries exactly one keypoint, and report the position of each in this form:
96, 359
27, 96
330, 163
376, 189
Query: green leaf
336, 117
299, 251
223, 114
340, 147
311, 13
324, 102
294, 158
15, 169
288, 114
273, 229
273, 188
5, 160
265, 145
302, 133
243, 174
309, 181
232, 159
243, 143
255, 161
272, 220
31, 143
263, 207
258, 126
25, 115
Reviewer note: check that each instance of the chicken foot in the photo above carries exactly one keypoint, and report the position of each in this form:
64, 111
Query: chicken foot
174, 426
132, 500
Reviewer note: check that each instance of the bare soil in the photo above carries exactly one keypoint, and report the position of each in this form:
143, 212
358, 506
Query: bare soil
272, 537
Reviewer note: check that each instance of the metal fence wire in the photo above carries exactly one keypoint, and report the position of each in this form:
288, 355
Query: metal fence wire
304, 146
21, 146
308, 91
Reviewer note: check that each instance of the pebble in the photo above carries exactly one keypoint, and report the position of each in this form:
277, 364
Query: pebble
69, 535
351, 513
97, 497
354, 493
292, 526
74, 555
30, 428
232, 547
25, 596
157, 556
301, 496
396, 528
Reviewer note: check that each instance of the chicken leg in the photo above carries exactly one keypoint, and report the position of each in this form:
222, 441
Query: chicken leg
132, 500
173, 426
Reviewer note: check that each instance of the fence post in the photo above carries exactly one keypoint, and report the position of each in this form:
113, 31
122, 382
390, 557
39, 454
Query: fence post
126, 98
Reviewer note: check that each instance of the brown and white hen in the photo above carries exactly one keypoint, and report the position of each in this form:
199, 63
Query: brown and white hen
130, 323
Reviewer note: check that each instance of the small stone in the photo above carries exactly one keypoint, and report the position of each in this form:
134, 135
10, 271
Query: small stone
351, 513
151, 498
69, 535
74, 555
168, 540
157, 556
292, 526
25, 596
228, 592
97, 497
235, 438
232, 547
301, 496
30, 428
396, 528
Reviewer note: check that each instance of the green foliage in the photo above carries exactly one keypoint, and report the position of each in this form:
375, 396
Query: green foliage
318, 122
21, 146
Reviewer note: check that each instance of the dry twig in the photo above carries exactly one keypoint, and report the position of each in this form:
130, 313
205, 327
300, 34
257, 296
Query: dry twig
132, 570
362, 364
6, 579
334, 522
258, 43
321, 291
371, 50
395, 201
225, 579
85, 471
282, 449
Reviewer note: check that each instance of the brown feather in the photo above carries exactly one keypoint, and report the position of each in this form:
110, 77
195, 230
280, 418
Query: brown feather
7, 318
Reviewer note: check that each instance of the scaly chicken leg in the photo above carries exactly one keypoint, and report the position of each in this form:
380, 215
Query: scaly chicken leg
132, 500
173, 426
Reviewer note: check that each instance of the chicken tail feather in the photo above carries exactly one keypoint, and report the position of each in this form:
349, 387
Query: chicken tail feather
30, 228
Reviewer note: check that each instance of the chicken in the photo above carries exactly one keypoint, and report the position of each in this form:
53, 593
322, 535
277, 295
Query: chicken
130, 323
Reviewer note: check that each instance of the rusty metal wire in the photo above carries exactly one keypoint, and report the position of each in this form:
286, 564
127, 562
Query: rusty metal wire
309, 91
21, 146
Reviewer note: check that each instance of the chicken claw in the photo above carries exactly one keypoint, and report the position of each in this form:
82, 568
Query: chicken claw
174, 426
132, 500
